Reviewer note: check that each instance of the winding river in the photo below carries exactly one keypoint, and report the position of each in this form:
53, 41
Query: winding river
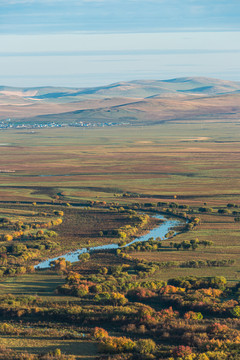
160, 231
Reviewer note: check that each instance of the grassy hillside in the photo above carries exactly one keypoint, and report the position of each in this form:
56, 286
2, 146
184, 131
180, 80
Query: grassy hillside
136, 102
137, 88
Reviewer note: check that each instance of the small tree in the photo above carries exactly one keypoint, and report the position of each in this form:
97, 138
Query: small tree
236, 312
84, 257
103, 271
194, 244
182, 351
186, 245
177, 246
59, 264
7, 237
145, 346
99, 333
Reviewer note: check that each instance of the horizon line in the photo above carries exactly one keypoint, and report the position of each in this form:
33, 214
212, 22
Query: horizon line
119, 82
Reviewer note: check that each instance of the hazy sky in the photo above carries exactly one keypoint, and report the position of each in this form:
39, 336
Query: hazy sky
94, 42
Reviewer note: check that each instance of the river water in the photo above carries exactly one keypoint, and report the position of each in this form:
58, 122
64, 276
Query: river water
159, 231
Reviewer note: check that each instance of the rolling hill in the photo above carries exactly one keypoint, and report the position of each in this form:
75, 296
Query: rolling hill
135, 102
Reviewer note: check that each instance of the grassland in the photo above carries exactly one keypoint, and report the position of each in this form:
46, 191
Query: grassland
42, 284
83, 350
194, 163
197, 162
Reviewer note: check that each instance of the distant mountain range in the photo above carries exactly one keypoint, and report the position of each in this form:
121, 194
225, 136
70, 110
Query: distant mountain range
134, 102
137, 88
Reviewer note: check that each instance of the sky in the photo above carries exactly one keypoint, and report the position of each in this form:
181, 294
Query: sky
96, 42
